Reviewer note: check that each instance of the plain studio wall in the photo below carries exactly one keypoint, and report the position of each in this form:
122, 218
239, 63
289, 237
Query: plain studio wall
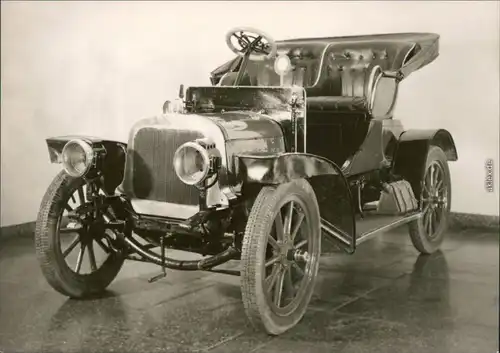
96, 67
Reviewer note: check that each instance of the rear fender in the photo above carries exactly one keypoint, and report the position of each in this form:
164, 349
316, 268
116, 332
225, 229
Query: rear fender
112, 163
411, 153
329, 183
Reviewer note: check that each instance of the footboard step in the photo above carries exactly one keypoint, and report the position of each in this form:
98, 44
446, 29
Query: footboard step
370, 206
373, 224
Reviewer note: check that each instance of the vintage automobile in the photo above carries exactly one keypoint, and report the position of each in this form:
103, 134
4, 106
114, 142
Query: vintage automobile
294, 143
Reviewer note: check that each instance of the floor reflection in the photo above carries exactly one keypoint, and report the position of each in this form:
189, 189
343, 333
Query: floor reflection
79, 325
383, 299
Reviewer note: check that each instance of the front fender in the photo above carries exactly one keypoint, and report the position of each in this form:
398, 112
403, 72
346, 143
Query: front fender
112, 164
329, 183
282, 167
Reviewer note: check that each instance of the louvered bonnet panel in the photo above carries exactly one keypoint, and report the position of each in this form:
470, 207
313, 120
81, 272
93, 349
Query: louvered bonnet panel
153, 175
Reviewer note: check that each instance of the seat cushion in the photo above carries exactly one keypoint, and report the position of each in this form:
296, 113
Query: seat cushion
327, 103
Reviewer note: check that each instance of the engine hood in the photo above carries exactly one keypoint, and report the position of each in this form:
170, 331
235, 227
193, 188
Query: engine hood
233, 133
238, 125
153, 142
235, 125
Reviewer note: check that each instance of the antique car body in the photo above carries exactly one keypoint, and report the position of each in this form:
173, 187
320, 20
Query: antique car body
306, 123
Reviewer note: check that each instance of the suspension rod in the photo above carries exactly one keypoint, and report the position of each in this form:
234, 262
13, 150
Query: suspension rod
193, 265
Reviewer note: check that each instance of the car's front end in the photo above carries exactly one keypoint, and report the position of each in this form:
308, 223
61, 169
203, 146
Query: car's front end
160, 175
182, 172
211, 177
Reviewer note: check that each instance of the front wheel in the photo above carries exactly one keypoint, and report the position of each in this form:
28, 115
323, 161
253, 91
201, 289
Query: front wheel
427, 233
280, 256
88, 263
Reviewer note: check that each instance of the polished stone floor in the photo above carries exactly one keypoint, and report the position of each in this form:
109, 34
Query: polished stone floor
385, 298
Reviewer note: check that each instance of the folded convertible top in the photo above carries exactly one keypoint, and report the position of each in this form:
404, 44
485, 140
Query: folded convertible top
416, 49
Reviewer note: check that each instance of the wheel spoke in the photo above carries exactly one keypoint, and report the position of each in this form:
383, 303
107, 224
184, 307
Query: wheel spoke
434, 221
438, 176
426, 208
427, 181
102, 245
429, 222
73, 198
300, 244
67, 230
278, 222
289, 290
297, 226
242, 37
278, 290
439, 215
288, 220
272, 261
81, 195
80, 259
426, 188
93, 265
432, 176
271, 280
271, 241
254, 41
299, 270
439, 185
106, 216
425, 220
71, 246
68, 208
261, 50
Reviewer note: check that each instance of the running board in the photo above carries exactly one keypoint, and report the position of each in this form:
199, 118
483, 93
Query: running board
366, 228
336, 233
375, 224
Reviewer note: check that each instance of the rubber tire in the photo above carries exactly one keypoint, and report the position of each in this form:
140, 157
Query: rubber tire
416, 228
48, 251
253, 254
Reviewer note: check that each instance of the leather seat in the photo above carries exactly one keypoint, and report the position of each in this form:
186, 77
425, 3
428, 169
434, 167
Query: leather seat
352, 82
337, 103
344, 105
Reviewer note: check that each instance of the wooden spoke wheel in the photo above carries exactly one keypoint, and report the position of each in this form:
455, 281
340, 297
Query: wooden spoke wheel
73, 243
280, 258
427, 233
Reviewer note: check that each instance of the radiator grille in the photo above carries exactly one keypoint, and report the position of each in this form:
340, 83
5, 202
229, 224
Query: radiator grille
154, 177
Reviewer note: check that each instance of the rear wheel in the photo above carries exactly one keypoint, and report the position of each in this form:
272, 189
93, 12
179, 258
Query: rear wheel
280, 256
76, 256
427, 233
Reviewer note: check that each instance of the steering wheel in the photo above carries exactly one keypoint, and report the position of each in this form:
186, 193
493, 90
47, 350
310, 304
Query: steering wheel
252, 42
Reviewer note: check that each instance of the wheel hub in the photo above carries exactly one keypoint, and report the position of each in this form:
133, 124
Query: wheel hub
282, 253
91, 230
288, 254
301, 256
96, 228
436, 201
